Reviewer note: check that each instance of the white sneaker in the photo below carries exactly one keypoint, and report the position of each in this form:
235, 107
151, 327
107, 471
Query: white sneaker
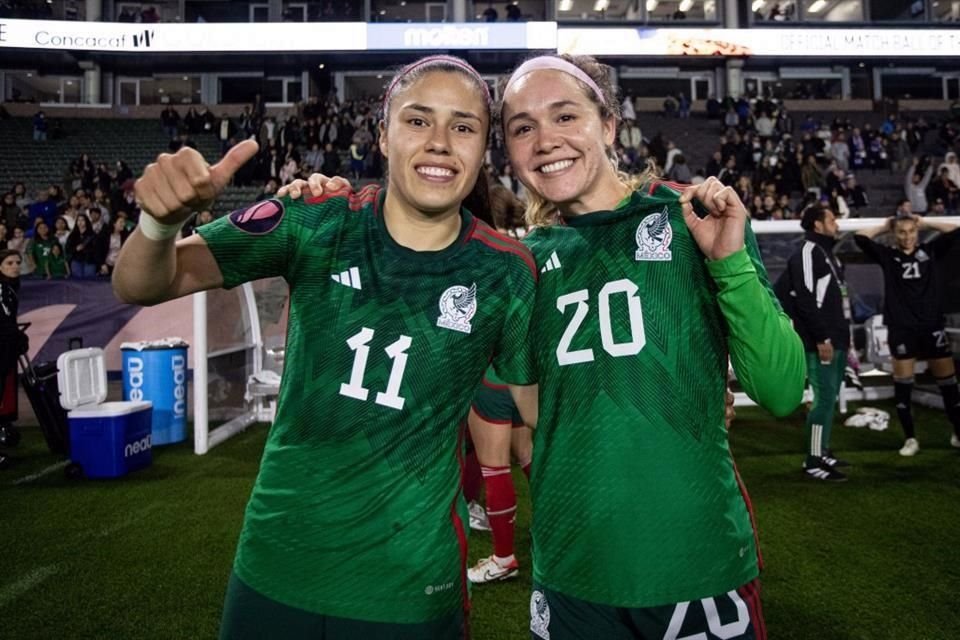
955, 441
489, 570
478, 517
910, 447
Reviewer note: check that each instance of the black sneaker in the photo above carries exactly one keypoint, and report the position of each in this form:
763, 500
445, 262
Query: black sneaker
817, 469
833, 460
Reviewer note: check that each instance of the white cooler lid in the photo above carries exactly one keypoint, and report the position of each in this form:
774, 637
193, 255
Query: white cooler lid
82, 376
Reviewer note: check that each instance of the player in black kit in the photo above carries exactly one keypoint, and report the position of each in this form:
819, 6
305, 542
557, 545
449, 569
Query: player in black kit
913, 312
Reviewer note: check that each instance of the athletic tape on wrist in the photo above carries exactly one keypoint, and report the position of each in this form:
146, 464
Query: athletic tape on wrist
156, 230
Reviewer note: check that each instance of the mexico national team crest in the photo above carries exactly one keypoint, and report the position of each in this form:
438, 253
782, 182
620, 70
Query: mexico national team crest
458, 305
653, 237
260, 218
539, 615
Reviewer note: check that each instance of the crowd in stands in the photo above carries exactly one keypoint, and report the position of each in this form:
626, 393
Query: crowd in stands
778, 166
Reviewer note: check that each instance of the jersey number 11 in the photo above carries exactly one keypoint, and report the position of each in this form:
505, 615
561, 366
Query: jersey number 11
396, 352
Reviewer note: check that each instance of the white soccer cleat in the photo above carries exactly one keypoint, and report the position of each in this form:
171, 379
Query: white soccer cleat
910, 447
955, 441
489, 570
478, 517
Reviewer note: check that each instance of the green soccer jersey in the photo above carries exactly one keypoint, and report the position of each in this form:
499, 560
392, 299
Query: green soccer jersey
636, 501
357, 510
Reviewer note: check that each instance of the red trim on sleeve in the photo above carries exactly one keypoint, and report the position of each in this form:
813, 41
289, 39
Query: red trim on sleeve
346, 191
500, 242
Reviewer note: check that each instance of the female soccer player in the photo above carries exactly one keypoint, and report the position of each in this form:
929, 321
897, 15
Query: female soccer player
399, 300
640, 525
913, 313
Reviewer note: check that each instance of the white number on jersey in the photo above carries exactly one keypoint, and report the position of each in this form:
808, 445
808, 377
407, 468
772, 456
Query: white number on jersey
616, 349
911, 270
718, 629
396, 352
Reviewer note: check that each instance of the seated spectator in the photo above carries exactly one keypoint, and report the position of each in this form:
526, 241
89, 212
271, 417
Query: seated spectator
714, 165
61, 231
111, 242
270, 189
57, 266
856, 195
40, 248
672, 153
937, 208
331, 160
731, 120
811, 176
729, 174
314, 158
127, 15
952, 166
680, 171
82, 249
945, 189
10, 213
840, 152
904, 209
764, 126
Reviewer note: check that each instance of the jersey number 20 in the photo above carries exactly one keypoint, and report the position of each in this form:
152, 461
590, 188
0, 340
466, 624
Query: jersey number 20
616, 349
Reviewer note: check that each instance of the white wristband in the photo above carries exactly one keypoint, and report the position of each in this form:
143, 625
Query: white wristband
156, 230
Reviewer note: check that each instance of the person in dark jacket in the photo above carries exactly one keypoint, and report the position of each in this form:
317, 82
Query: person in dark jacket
821, 315
12, 342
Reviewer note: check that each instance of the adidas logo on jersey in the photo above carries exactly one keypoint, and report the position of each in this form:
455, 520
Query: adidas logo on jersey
553, 262
349, 278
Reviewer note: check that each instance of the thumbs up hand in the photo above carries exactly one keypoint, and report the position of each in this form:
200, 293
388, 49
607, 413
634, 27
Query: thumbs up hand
176, 185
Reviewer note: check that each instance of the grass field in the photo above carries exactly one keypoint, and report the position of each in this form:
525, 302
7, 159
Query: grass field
148, 556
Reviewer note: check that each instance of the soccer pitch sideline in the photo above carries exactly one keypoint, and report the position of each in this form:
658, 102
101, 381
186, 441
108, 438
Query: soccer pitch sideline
148, 556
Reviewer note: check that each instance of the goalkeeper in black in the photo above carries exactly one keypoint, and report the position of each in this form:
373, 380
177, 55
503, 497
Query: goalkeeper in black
913, 312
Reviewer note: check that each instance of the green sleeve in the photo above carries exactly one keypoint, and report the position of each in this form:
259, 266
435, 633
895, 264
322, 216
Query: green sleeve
513, 358
247, 247
767, 353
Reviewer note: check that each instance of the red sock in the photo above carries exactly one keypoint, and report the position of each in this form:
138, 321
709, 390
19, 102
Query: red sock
472, 479
526, 469
501, 508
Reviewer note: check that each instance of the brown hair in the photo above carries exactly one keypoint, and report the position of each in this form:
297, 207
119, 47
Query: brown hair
478, 200
539, 212
506, 209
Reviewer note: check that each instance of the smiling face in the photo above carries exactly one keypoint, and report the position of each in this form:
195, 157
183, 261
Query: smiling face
434, 140
906, 235
558, 142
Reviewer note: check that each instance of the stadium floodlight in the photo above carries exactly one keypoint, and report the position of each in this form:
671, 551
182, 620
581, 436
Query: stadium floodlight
601, 5
817, 6
685, 5
652, 4
565, 5
757, 5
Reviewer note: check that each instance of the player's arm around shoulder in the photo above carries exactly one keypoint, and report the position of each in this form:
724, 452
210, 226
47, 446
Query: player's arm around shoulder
767, 353
152, 268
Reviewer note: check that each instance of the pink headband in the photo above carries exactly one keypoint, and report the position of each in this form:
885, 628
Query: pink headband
457, 62
556, 64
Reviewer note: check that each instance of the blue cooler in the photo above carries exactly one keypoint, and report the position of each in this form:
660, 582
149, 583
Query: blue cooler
107, 439
157, 371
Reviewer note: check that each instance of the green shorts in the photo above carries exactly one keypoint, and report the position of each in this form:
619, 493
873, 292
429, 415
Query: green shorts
248, 614
733, 615
493, 403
